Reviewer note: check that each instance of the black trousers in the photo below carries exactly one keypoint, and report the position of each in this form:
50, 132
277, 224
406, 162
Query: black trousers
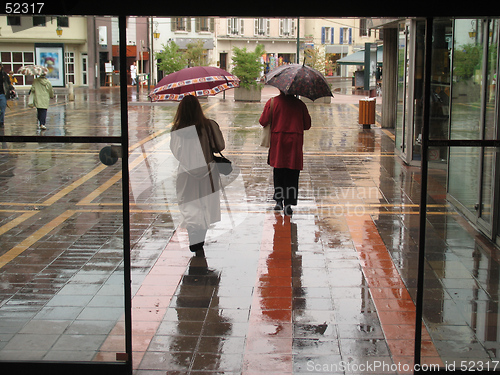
286, 185
42, 115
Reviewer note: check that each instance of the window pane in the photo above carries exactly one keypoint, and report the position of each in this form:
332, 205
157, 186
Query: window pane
39, 21
13, 20
29, 57
466, 111
62, 21
17, 57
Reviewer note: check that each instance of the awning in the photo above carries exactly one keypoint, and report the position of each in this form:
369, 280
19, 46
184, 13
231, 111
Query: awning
336, 48
183, 42
358, 58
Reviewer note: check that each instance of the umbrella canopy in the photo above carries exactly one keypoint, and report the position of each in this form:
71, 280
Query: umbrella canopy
32, 70
297, 79
197, 81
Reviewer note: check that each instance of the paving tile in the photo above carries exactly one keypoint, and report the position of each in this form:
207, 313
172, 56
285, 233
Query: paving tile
287, 295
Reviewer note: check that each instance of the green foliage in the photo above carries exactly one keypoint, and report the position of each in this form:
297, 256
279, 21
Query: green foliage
171, 58
316, 59
247, 65
467, 59
195, 54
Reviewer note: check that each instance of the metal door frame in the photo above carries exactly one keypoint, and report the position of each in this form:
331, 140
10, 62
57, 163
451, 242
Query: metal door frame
97, 368
488, 227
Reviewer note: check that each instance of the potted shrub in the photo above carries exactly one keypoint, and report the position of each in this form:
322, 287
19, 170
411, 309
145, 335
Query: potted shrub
248, 67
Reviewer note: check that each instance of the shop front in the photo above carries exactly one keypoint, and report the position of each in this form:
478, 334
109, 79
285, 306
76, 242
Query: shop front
464, 106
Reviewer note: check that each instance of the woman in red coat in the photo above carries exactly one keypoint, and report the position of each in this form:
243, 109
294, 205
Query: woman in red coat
289, 118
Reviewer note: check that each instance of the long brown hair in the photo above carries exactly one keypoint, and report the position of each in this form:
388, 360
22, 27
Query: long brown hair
189, 113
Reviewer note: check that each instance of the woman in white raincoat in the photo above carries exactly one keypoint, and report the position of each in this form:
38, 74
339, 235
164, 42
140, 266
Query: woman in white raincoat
193, 141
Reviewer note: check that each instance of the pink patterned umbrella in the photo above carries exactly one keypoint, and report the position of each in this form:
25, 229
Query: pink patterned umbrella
197, 81
32, 70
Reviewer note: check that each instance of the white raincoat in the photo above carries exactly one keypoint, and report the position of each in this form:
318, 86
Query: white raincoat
197, 184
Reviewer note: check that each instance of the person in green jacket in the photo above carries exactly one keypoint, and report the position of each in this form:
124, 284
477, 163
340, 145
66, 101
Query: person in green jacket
42, 92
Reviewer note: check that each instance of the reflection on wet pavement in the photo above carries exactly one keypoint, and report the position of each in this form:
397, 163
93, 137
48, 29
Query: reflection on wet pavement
330, 289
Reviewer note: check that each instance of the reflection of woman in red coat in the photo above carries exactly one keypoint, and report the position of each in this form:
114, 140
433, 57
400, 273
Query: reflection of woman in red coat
290, 118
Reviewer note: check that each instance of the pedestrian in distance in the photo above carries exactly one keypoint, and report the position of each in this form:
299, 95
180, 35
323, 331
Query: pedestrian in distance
288, 117
6, 92
194, 139
133, 73
42, 93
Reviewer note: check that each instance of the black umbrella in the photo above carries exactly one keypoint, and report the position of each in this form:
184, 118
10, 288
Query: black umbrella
297, 79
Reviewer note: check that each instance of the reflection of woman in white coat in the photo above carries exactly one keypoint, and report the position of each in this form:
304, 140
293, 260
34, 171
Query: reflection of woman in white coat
194, 139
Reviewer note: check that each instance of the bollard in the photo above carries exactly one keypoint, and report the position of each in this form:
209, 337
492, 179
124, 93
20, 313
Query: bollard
71, 92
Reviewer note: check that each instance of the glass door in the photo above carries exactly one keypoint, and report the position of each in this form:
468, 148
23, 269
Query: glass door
64, 227
465, 124
471, 170
489, 155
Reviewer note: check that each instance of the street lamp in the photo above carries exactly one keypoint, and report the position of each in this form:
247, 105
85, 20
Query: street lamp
59, 30
156, 36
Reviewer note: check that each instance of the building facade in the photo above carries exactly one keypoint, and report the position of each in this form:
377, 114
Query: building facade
59, 43
279, 37
82, 50
337, 38
103, 50
86, 48
183, 31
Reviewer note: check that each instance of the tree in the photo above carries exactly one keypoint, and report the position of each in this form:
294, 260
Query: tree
195, 54
171, 59
467, 59
316, 59
247, 65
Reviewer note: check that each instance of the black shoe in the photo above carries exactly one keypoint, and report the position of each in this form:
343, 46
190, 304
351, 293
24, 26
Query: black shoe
288, 211
279, 206
196, 247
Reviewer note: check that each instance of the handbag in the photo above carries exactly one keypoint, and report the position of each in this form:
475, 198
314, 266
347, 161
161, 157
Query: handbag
265, 140
224, 165
31, 103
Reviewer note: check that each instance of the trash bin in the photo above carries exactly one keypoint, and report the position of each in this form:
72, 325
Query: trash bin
367, 111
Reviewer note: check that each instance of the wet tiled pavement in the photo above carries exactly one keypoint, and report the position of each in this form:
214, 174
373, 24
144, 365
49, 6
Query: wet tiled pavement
328, 290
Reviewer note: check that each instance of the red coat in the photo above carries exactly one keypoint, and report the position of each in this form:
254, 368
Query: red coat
290, 118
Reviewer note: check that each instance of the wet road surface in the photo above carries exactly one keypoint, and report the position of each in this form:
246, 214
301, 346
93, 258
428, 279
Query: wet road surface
328, 290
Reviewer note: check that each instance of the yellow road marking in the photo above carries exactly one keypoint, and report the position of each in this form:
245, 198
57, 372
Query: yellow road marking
73, 186
99, 190
389, 134
32, 239
14, 223
148, 138
40, 233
